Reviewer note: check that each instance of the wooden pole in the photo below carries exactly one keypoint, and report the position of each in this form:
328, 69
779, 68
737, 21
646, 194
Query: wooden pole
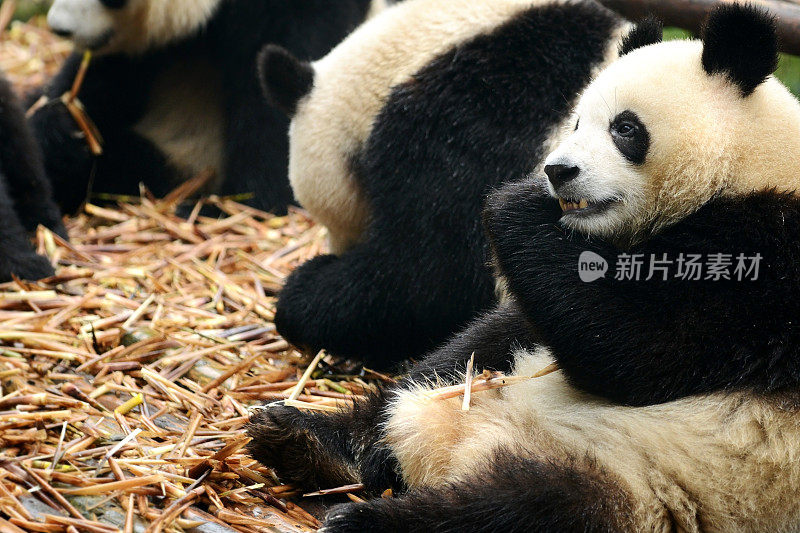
690, 14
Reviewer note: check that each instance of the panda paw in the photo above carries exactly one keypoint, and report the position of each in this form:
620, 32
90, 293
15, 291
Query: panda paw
280, 442
27, 266
288, 441
360, 517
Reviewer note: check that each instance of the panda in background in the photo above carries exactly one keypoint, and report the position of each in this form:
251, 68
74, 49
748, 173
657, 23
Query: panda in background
398, 135
173, 91
25, 196
677, 406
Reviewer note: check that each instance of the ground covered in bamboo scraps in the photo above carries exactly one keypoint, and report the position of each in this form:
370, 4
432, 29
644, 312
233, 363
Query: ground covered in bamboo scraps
125, 379
29, 53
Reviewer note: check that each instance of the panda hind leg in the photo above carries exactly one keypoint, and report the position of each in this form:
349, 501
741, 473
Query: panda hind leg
510, 494
325, 450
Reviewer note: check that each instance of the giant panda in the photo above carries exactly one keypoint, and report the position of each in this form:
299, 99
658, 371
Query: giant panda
677, 402
397, 136
25, 195
173, 92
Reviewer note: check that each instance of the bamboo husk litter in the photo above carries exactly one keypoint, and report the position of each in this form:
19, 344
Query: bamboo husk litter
125, 379
29, 53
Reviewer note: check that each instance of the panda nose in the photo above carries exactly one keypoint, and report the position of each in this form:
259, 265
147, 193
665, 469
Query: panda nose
561, 174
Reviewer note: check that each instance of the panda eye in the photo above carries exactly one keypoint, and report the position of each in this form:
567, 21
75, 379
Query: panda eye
630, 136
625, 129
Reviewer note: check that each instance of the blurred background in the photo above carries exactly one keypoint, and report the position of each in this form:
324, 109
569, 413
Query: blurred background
29, 53
28, 8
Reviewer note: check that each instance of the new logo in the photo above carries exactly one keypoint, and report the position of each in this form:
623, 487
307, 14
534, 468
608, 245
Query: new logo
591, 267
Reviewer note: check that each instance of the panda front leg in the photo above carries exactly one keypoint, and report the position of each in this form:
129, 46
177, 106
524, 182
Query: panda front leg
599, 329
508, 493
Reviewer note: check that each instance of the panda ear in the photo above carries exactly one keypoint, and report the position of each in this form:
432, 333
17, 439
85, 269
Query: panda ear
648, 31
741, 42
284, 78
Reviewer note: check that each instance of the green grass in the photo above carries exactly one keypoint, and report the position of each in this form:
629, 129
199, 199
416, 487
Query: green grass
788, 67
28, 8
789, 72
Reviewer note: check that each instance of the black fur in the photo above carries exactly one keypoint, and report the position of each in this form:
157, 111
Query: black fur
638, 343
634, 140
284, 78
646, 342
474, 118
319, 451
25, 196
322, 451
117, 90
508, 494
492, 337
646, 32
740, 41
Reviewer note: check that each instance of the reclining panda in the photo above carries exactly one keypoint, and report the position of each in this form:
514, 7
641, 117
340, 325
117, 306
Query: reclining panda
677, 406
173, 92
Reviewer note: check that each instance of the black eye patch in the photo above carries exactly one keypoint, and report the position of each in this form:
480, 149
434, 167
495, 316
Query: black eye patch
630, 136
114, 4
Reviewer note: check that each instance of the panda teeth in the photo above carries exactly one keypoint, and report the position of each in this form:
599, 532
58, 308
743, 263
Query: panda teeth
572, 206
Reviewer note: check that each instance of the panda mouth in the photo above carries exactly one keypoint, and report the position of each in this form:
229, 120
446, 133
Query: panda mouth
97, 42
582, 206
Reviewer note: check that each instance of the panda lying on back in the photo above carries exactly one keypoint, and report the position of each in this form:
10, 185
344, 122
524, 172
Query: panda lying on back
677, 406
173, 92
25, 194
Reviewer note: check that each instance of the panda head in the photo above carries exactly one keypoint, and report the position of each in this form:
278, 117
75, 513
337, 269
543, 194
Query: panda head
128, 26
670, 125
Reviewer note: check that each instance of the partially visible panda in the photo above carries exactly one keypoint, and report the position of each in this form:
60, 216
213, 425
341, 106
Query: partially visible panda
25, 195
173, 91
398, 135
677, 403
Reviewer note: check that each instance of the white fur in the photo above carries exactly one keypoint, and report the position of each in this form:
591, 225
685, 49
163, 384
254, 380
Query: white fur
704, 139
375, 8
351, 86
721, 462
88, 21
139, 26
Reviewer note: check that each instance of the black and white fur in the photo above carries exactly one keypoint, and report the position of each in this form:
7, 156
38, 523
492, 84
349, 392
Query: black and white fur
677, 406
398, 135
173, 91
25, 196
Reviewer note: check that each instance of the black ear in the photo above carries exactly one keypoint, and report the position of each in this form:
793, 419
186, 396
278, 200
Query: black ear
284, 78
648, 31
741, 42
